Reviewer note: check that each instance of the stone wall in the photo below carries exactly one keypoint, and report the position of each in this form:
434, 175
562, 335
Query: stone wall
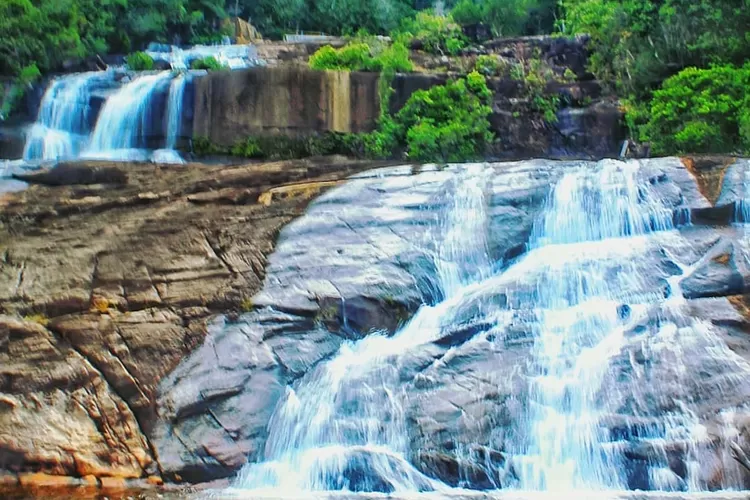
295, 101
290, 100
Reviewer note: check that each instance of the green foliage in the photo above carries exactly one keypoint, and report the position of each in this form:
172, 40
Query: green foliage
208, 63
139, 61
438, 34
351, 57
701, 110
488, 65
467, 12
639, 43
283, 148
534, 77
359, 56
335, 17
447, 122
249, 148
29, 74
508, 17
10, 98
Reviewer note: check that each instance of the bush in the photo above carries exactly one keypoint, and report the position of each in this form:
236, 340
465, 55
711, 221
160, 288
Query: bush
209, 63
467, 12
29, 74
139, 61
249, 148
395, 59
438, 34
351, 57
487, 65
359, 56
447, 122
508, 17
534, 76
701, 111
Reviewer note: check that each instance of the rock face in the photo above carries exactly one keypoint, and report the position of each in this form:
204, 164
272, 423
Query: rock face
229, 106
118, 345
363, 259
290, 99
109, 275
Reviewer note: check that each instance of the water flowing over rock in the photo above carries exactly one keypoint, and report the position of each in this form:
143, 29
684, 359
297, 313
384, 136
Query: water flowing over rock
125, 124
87, 116
534, 325
65, 118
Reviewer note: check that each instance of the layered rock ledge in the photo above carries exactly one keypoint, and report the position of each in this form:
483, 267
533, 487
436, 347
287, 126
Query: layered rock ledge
109, 275
148, 330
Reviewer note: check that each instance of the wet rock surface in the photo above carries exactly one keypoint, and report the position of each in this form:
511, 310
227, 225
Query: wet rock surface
118, 288
109, 275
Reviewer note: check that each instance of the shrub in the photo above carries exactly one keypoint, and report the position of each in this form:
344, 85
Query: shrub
507, 17
139, 61
395, 59
447, 122
701, 111
249, 148
438, 34
208, 63
534, 76
29, 74
359, 56
487, 65
467, 12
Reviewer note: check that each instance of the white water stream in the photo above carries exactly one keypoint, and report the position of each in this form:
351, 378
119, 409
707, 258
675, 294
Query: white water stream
342, 426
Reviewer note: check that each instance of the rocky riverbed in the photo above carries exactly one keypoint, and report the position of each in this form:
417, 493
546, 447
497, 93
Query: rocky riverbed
152, 315
109, 276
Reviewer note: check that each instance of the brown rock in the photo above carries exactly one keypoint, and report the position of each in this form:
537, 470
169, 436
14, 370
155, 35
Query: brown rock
111, 484
46, 481
115, 293
155, 480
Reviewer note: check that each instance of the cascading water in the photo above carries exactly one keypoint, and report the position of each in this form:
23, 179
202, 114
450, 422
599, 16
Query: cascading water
174, 110
174, 122
593, 307
123, 124
343, 427
62, 127
580, 303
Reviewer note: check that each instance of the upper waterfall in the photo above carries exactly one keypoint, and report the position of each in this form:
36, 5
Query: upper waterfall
174, 110
62, 127
141, 119
124, 122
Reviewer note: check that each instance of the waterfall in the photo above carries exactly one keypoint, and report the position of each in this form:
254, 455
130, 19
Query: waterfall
62, 127
344, 427
174, 110
123, 124
174, 122
607, 372
578, 321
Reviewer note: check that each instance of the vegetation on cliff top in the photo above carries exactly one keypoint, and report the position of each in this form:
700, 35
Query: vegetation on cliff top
445, 123
637, 45
666, 50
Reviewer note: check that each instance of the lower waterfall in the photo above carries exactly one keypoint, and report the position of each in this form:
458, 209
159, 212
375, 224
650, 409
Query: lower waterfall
602, 323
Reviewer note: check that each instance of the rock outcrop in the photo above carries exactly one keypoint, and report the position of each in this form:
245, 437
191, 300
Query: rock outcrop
109, 275
287, 98
151, 322
363, 258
